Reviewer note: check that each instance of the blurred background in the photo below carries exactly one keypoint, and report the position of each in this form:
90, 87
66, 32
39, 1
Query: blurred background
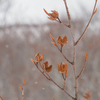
24, 31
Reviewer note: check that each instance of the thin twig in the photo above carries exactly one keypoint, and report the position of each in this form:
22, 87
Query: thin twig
75, 74
64, 84
42, 72
22, 93
63, 75
64, 80
49, 78
60, 87
62, 23
81, 70
64, 55
67, 10
69, 19
74, 53
87, 24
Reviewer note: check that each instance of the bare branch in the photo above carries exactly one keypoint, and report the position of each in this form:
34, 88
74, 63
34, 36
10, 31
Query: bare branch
62, 23
82, 70
67, 10
60, 87
64, 55
87, 24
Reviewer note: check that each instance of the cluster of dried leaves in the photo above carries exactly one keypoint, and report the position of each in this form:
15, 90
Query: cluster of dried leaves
87, 95
44, 65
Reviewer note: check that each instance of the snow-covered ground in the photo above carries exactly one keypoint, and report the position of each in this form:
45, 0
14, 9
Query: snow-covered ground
31, 11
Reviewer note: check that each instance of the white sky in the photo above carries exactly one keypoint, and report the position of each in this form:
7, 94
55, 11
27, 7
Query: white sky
31, 11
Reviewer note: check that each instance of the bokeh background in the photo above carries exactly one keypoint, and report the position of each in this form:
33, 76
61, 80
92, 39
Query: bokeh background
24, 31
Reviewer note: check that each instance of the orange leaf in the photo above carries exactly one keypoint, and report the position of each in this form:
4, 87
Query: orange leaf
62, 67
87, 90
42, 57
62, 41
48, 69
51, 18
52, 38
90, 94
87, 95
53, 98
1, 98
95, 11
33, 61
46, 12
53, 43
38, 57
23, 81
55, 12
65, 39
20, 87
86, 57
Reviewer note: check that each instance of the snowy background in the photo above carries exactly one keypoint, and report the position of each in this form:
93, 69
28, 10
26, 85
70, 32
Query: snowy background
24, 31
31, 11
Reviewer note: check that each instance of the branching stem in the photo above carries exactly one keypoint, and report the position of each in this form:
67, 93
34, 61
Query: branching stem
64, 55
60, 87
81, 70
87, 24
74, 53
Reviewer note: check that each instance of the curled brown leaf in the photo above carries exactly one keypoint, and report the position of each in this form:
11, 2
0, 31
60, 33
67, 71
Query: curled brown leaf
38, 57
46, 67
62, 67
52, 16
62, 41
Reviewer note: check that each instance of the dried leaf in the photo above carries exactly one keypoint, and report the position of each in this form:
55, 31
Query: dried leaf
90, 94
46, 63
33, 61
52, 38
1, 98
46, 12
62, 67
51, 18
95, 11
65, 39
87, 95
86, 57
53, 43
62, 41
53, 98
42, 57
38, 57
55, 12
46, 67
23, 81
20, 87
59, 40
87, 90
